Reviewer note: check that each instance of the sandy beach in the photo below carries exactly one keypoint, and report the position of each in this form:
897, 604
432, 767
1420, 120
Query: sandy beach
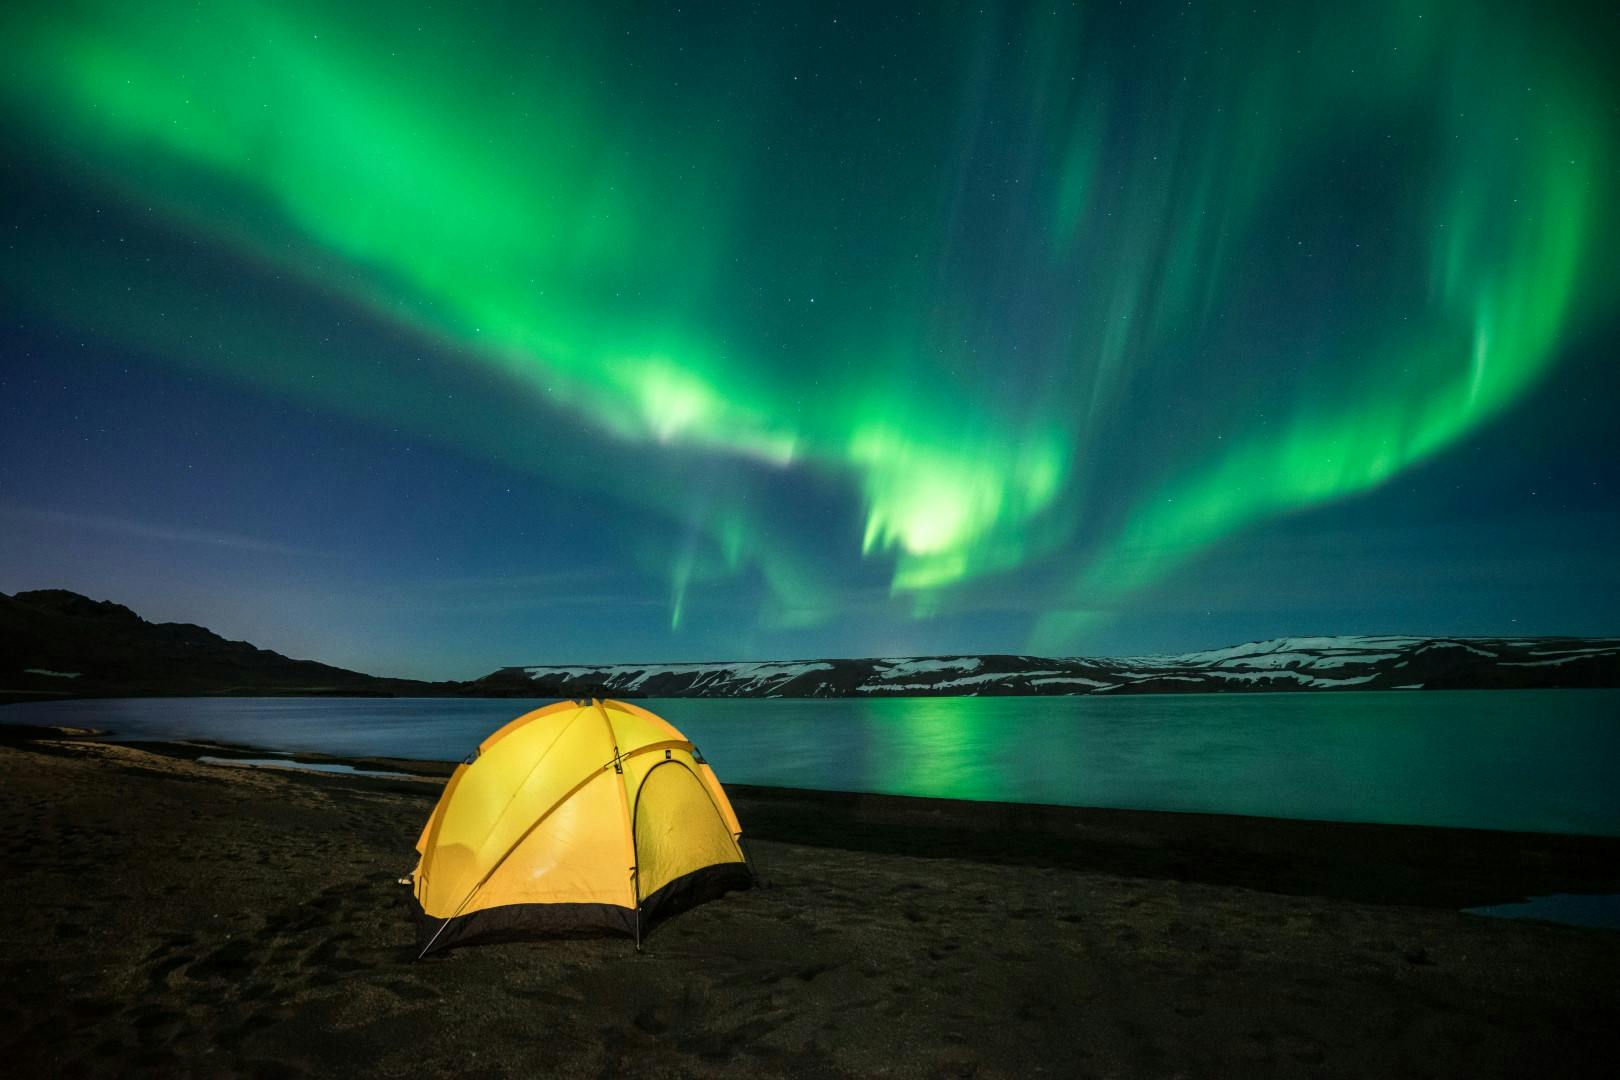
209, 919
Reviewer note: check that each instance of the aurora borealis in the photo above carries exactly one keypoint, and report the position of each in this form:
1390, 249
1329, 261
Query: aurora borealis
611, 331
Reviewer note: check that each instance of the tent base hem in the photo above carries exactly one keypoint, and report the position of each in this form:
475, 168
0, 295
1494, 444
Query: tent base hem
528, 922
690, 890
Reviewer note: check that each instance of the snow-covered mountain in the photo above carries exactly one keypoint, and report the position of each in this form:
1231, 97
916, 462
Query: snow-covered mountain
1314, 663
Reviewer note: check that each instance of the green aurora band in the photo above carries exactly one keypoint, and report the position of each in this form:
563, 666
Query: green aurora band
946, 281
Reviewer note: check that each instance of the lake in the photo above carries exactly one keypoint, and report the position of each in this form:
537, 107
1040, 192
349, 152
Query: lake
1535, 760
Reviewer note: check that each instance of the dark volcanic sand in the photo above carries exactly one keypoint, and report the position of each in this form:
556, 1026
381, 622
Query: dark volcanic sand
186, 918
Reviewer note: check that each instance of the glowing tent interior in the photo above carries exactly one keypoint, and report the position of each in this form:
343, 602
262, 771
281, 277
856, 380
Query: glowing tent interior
578, 817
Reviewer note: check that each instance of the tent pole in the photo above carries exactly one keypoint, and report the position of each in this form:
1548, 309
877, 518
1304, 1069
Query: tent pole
434, 938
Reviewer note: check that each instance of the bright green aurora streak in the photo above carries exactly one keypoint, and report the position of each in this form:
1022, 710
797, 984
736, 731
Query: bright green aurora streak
958, 281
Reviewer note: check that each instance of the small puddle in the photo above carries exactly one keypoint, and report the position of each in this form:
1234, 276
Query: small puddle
304, 766
1601, 910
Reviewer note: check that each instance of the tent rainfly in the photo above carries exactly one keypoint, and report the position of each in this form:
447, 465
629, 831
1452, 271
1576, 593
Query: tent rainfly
578, 817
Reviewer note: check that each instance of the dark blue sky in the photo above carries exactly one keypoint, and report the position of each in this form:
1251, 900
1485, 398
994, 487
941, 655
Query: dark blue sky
1100, 345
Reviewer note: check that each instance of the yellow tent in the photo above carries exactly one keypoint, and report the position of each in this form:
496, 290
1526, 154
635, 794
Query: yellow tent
581, 816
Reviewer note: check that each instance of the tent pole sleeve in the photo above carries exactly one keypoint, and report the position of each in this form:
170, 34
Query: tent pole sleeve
624, 815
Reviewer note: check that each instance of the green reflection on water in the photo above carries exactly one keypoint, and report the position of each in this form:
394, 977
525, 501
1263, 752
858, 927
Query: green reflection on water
958, 748
1536, 760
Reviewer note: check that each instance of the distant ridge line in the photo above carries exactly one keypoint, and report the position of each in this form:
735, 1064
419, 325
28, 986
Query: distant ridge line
56, 644
1348, 662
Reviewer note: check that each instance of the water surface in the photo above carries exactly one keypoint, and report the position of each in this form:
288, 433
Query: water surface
1536, 760
1571, 909
294, 765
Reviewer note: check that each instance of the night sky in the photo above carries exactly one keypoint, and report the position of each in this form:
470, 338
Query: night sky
426, 338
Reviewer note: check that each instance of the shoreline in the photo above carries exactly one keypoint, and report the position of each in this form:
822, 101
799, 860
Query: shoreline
1445, 867
175, 916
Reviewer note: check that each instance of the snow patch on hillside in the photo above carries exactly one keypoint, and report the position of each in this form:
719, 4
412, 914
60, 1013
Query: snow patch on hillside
905, 667
943, 684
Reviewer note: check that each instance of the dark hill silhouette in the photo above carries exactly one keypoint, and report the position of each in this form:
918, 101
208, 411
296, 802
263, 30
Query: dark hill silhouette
55, 643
